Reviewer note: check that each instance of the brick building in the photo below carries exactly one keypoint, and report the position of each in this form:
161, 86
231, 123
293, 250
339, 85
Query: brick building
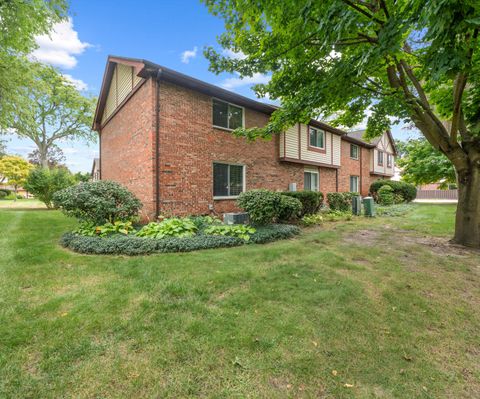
168, 138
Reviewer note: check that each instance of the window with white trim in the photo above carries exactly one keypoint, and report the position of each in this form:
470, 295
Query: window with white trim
380, 158
228, 179
353, 151
354, 184
389, 160
316, 138
226, 115
310, 181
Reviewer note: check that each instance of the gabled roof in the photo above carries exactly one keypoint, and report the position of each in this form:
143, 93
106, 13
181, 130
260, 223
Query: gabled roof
357, 138
146, 69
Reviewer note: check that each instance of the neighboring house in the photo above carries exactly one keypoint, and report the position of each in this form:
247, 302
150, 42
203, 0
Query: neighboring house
168, 138
96, 169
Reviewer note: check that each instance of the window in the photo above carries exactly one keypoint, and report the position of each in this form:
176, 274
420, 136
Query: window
380, 158
389, 160
353, 151
354, 184
227, 115
317, 138
228, 180
310, 181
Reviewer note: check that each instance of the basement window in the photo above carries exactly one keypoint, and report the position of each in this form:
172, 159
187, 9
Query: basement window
226, 115
228, 180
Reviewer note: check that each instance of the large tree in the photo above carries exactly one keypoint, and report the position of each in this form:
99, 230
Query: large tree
415, 61
20, 22
423, 164
55, 157
52, 110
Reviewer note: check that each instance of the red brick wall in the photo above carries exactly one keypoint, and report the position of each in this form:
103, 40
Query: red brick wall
189, 145
126, 147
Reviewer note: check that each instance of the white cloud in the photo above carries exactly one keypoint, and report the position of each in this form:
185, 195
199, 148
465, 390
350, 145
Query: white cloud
60, 47
232, 54
233, 83
189, 54
78, 83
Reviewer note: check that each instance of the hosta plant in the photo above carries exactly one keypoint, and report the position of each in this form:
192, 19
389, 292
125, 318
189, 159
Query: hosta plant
236, 230
173, 227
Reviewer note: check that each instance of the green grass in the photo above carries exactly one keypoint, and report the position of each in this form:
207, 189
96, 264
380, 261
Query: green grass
391, 309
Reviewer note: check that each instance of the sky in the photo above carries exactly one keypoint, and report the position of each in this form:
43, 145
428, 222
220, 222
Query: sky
171, 33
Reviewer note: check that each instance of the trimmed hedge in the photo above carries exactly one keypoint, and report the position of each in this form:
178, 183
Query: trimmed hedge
406, 190
340, 201
311, 201
132, 245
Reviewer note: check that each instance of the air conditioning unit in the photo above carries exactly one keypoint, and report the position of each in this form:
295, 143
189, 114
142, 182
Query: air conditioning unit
236, 218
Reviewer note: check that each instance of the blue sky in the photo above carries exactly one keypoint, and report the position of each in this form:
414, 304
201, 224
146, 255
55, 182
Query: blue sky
171, 33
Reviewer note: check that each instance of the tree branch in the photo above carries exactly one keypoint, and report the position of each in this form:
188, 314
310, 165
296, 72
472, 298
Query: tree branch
362, 11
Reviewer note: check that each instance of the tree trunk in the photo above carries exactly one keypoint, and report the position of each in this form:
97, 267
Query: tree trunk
467, 222
15, 193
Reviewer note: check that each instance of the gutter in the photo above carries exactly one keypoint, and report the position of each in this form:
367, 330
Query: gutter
157, 143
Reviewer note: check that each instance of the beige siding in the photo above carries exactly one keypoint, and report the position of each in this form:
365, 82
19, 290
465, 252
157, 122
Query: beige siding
337, 149
291, 142
314, 156
123, 82
385, 146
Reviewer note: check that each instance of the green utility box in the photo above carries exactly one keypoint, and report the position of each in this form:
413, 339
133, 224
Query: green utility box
369, 206
357, 205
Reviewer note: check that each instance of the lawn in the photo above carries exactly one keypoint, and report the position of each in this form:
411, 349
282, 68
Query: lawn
363, 309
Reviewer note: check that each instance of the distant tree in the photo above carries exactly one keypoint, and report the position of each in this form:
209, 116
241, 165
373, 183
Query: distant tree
44, 182
14, 170
423, 164
3, 148
52, 110
21, 21
416, 61
55, 157
82, 177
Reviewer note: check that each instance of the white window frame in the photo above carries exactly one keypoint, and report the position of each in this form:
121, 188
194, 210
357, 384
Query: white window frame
244, 180
357, 179
235, 105
358, 151
389, 160
378, 157
318, 131
313, 172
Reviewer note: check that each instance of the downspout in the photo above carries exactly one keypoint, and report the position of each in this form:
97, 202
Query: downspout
157, 144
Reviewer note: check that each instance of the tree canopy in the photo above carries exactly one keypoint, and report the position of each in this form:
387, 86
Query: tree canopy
21, 21
14, 170
52, 110
423, 164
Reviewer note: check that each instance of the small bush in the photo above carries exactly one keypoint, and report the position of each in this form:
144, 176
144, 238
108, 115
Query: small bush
340, 201
406, 190
203, 221
133, 245
43, 183
172, 227
4, 193
235, 230
311, 201
288, 208
385, 195
97, 202
12, 196
265, 207
336, 216
311, 220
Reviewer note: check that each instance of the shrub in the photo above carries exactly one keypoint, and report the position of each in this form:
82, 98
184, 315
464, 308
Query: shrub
172, 227
12, 196
311, 201
288, 208
335, 216
4, 192
265, 207
406, 190
310, 220
97, 202
385, 195
133, 245
261, 205
340, 201
44, 182
203, 221
235, 230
